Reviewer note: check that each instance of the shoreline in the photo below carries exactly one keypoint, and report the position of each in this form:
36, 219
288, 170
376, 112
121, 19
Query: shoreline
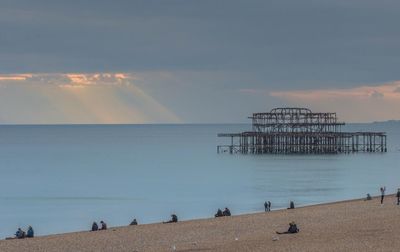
248, 231
211, 217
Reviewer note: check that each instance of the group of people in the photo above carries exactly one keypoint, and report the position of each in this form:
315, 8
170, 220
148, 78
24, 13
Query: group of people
267, 206
383, 190
95, 227
221, 213
20, 234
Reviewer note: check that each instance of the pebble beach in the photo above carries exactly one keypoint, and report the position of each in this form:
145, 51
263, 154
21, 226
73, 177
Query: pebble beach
355, 225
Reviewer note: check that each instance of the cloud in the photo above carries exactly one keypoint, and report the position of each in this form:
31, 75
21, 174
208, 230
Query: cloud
93, 98
363, 92
14, 77
70, 79
98, 78
365, 103
377, 95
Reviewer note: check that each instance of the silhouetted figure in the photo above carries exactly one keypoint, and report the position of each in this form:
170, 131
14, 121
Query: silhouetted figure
291, 205
266, 206
219, 213
226, 212
174, 219
292, 229
368, 197
383, 189
398, 196
29, 232
103, 225
95, 227
269, 206
20, 234
134, 222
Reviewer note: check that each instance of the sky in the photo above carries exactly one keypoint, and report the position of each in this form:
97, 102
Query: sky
197, 61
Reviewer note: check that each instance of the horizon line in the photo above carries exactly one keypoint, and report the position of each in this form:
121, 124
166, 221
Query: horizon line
187, 123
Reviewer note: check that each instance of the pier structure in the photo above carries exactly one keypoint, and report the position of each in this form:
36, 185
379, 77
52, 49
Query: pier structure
300, 131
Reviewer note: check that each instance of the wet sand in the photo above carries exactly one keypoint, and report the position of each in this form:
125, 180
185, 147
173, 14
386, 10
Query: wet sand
355, 225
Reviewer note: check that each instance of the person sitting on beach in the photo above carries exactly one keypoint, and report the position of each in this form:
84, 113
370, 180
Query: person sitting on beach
292, 229
368, 197
29, 232
291, 205
20, 234
226, 212
103, 225
174, 219
219, 213
95, 227
134, 222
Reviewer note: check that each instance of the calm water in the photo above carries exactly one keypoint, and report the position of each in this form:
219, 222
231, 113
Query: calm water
61, 178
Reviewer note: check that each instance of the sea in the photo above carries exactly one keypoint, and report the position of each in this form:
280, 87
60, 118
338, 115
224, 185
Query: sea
61, 178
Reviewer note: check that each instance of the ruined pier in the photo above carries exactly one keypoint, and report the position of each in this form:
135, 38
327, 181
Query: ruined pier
300, 131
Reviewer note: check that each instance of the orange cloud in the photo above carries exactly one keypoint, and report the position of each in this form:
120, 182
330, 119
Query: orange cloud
14, 77
365, 103
387, 90
97, 78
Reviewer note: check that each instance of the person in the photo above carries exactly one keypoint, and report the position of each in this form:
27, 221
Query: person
269, 206
29, 232
226, 212
368, 197
291, 205
174, 219
103, 225
219, 213
134, 222
20, 234
292, 229
398, 196
95, 227
383, 189
266, 206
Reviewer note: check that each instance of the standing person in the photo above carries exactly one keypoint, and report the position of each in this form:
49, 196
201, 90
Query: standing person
269, 206
266, 206
383, 189
398, 196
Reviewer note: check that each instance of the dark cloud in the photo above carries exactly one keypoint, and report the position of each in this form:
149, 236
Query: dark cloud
276, 44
